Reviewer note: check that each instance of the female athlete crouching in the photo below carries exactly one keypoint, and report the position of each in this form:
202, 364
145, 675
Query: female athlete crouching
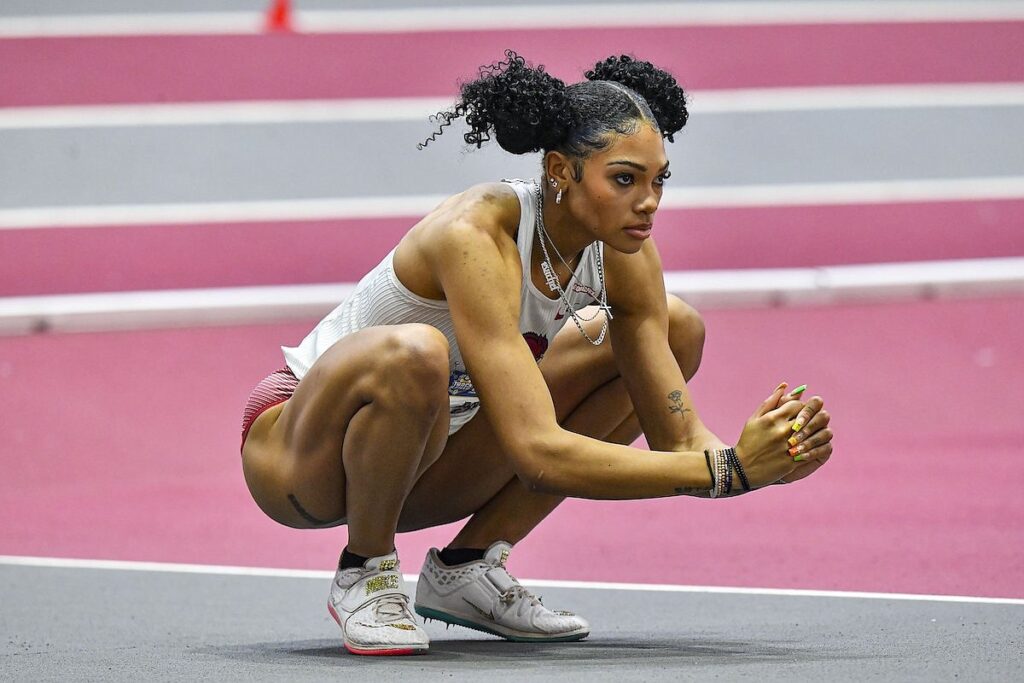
374, 423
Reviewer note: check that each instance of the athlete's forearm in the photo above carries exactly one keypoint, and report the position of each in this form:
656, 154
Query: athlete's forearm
581, 467
697, 438
670, 423
693, 436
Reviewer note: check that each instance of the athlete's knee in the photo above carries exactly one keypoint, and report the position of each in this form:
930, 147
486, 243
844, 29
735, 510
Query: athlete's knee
412, 365
686, 333
685, 324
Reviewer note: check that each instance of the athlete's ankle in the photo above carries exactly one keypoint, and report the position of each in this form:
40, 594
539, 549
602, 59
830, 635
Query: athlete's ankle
349, 560
453, 556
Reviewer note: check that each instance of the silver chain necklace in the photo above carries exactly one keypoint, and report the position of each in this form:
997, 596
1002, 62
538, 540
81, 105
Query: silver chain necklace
551, 278
561, 258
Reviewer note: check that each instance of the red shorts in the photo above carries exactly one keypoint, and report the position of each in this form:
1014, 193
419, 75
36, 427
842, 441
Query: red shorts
277, 387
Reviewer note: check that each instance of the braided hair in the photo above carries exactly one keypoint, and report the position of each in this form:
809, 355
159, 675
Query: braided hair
524, 109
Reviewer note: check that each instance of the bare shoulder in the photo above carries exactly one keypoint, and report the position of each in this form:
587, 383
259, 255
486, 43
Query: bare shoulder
484, 217
487, 209
492, 208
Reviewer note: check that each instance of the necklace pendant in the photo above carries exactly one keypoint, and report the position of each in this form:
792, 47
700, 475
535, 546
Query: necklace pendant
550, 277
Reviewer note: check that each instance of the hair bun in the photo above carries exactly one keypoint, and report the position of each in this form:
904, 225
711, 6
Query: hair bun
524, 107
659, 88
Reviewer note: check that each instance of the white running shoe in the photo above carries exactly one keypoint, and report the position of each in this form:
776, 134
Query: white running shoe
372, 608
482, 595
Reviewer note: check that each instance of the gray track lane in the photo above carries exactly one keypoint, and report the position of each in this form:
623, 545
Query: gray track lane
90, 166
61, 624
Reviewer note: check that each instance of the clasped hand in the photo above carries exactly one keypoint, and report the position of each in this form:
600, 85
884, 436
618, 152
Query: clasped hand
786, 439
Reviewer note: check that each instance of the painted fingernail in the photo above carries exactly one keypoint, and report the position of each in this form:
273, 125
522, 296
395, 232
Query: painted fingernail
800, 458
793, 451
797, 426
793, 440
799, 390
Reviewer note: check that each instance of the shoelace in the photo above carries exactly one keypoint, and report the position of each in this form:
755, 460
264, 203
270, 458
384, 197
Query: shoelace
517, 592
392, 608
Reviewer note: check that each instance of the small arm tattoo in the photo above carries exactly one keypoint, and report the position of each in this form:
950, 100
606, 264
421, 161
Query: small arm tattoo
689, 491
705, 493
677, 403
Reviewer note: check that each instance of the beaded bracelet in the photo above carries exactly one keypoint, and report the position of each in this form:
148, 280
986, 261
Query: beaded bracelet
712, 461
711, 471
728, 471
721, 476
721, 471
734, 460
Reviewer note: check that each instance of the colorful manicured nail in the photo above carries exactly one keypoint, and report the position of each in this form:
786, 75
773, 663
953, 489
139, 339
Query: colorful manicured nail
796, 449
793, 440
797, 426
800, 458
799, 390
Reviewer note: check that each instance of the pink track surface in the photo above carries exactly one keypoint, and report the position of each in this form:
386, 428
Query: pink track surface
125, 446
58, 261
51, 71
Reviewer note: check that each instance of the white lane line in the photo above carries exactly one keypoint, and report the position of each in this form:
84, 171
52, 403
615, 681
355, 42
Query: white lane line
708, 289
695, 197
170, 567
243, 112
220, 570
215, 212
824, 98
889, 96
519, 16
108, 25
168, 308
657, 14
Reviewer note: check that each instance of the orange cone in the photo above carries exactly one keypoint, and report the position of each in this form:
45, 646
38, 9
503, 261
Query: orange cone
279, 16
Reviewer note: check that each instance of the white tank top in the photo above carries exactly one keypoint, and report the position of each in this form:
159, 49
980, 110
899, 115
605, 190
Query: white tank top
381, 299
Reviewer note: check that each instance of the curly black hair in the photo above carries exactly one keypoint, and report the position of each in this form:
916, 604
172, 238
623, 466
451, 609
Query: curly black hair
528, 110
659, 90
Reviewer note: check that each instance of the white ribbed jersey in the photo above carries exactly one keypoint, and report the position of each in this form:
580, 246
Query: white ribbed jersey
381, 299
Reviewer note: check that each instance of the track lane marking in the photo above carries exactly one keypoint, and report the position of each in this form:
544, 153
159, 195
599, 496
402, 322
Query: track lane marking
464, 18
820, 98
755, 287
342, 208
222, 570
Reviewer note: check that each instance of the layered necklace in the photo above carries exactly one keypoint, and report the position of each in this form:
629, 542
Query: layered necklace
548, 269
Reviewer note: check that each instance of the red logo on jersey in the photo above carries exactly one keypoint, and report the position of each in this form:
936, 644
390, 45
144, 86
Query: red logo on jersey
581, 288
538, 344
